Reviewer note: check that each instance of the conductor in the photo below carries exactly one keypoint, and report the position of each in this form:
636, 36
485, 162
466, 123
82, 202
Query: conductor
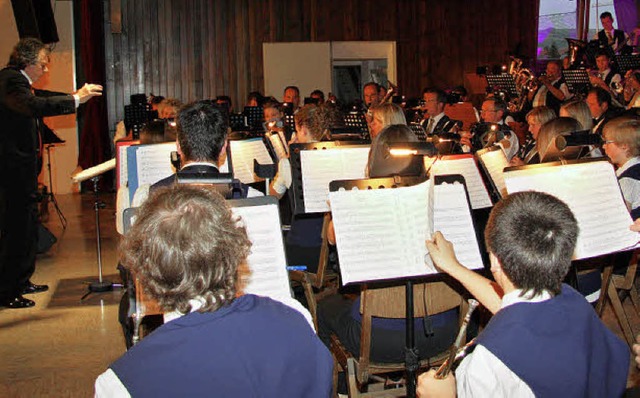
21, 110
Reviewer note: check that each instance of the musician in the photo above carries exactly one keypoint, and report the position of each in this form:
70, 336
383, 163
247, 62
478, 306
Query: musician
617, 39
187, 249
552, 89
528, 152
599, 102
544, 338
493, 111
21, 111
605, 78
224, 101
292, 95
434, 118
632, 89
371, 94
318, 95
382, 115
622, 146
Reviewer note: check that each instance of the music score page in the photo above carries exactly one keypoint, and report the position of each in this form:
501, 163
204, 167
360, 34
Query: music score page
465, 165
495, 162
242, 155
154, 162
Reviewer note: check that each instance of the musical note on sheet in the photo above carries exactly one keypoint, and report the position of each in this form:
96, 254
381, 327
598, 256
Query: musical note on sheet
154, 162
452, 217
242, 154
466, 166
267, 260
320, 167
592, 193
495, 162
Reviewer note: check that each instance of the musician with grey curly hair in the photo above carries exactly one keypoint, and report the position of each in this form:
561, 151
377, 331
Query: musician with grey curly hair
186, 249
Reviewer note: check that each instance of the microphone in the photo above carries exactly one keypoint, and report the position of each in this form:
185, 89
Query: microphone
578, 138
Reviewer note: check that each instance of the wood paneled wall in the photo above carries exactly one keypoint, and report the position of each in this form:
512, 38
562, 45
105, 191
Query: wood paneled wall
196, 49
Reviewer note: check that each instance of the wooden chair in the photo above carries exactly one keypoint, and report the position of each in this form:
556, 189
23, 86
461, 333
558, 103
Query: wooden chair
321, 283
144, 307
389, 302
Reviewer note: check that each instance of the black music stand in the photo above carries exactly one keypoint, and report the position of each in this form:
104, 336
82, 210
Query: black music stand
411, 352
577, 80
238, 122
255, 116
503, 82
136, 116
357, 120
627, 62
419, 131
50, 139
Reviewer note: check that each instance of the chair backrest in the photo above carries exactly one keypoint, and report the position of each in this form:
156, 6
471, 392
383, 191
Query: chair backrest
389, 302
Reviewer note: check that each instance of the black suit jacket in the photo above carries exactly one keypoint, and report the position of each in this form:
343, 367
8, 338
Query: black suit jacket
20, 114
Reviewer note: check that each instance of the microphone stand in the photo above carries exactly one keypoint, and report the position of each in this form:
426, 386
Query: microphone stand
101, 285
50, 195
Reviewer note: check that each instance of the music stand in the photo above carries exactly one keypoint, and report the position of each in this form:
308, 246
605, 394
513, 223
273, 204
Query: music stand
503, 81
237, 122
136, 116
419, 131
627, 62
357, 119
577, 80
50, 139
254, 116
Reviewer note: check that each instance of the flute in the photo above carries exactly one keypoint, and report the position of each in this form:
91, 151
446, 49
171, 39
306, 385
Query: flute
445, 368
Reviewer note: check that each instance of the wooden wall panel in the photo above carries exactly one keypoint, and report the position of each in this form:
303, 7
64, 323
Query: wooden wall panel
197, 49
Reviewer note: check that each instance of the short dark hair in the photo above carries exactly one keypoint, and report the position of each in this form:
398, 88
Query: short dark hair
602, 53
605, 15
498, 105
602, 95
202, 131
185, 244
441, 96
153, 132
26, 52
294, 88
533, 235
224, 98
317, 92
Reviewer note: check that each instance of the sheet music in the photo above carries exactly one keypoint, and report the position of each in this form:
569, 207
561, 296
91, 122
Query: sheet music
242, 155
592, 193
466, 166
267, 260
452, 217
381, 233
495, 162
278, 146
122, 166
154, 162
320, 167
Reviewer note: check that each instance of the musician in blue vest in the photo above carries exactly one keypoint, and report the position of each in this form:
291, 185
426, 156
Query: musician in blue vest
617, 39
544, 338
187, 249
622, 146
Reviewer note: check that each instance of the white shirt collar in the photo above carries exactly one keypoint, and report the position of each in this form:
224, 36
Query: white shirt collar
199, 164
516, 297
195, 303
27, 76
631, 162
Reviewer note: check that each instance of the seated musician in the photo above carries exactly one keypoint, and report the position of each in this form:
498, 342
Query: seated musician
383, 115
631, 93
622, 146
340, 315
552, 89
434, 118
544, 339
528, 153
604, 77
617, 39
186, 248
371, 94
601, 107
579, 110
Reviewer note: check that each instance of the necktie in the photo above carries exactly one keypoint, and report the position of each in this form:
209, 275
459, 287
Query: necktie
609, 36
430, 126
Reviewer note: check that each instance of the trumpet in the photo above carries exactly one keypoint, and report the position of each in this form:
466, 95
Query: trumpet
446, 367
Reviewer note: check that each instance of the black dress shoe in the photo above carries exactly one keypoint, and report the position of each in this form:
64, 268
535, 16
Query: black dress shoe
33, 288
18, 302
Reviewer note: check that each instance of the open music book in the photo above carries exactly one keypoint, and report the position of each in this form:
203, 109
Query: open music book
381, 233
277, 142
242, 154
494, 161
320, 167
266, 261
592, 192
466, 166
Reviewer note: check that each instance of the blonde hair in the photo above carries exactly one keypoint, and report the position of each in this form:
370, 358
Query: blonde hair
552, 129
388, 114
624, 131
579, 110
541, 115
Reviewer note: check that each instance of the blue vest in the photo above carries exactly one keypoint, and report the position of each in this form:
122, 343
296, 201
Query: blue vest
632, 172
254, 347
559, 347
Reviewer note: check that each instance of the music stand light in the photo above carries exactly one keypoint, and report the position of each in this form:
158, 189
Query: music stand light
412, 149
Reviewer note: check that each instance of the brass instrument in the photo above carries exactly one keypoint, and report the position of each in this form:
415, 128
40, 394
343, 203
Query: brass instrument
445, 368
525, 82
393, 89
575, 49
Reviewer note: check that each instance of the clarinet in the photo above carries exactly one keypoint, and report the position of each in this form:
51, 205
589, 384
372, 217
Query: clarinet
445, 368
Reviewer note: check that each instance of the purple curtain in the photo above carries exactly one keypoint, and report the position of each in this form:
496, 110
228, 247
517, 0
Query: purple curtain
626, 14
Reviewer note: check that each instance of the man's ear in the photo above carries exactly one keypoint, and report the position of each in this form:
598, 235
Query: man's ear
179, 149
495, 263
222, 158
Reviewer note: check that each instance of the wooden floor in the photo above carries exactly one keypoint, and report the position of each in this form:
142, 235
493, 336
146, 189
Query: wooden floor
57, 348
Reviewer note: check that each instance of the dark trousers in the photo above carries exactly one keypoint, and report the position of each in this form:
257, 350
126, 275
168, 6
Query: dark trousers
18, 232
387, 345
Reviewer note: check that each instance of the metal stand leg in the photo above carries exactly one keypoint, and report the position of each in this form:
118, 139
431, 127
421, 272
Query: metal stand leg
50, 194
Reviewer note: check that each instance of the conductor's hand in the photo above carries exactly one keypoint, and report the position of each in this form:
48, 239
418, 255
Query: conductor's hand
442, 254
429, 386
89, 91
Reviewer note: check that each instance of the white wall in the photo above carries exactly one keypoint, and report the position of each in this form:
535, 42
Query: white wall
61, 77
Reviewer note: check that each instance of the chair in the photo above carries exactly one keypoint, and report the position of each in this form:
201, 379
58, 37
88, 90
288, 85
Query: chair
144, 307
389, 302
321, 283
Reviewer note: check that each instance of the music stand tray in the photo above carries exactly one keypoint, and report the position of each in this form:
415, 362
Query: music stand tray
627, 62
577, 79
504, 81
